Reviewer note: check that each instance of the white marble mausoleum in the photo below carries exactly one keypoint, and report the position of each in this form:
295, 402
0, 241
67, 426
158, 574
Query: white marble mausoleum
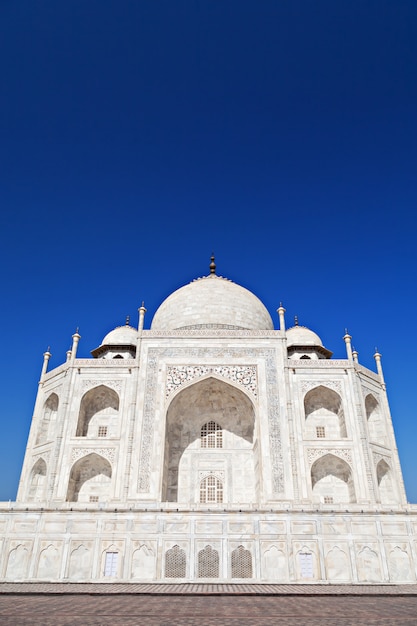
212, 447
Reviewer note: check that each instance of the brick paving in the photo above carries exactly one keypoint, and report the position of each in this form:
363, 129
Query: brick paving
68, 604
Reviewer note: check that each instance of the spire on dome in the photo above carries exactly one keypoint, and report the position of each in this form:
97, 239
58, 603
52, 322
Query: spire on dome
127, 320
212, 265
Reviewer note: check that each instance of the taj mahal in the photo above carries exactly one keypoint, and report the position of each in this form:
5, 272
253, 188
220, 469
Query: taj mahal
211, 447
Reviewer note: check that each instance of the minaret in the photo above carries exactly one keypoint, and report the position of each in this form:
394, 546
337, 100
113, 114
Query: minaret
377, 357
46, 356
347, 338
281, 312
75, 339
142, 312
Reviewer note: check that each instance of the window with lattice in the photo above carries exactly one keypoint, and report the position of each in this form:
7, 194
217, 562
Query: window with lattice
93, 498
175, 563
328, 499
110, 564
320, 432
208, 563
306, 564
211, 435
102, 431
241, 563
211, 490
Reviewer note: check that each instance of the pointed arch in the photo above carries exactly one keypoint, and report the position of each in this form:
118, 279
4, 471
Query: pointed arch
100, 404
144, 563
49, 412
208, 563
211, 435
211, 490
332, 481
90, 477
337, 564
274, 565
17, 563
241, 563
49, 563
80, 563
216, 412
37, 482
323, 408
175, 563
376, 427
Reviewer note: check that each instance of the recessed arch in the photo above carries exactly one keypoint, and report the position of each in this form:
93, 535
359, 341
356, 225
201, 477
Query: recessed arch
209, 400
37, 481
49, 412
323, 408
100, 404
332, 481
376, 426
90, 477
387, 493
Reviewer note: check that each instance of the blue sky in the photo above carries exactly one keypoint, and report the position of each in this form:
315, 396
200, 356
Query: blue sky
138, 136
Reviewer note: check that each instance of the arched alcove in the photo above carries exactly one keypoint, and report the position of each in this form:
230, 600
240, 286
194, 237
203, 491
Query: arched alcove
332, 481
50, 409
376, 426
99, 407
323, 410
37, 482
90, 480
213, 412
386, 485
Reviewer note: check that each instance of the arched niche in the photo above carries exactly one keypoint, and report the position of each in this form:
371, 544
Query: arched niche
37, 482
99, 407
187, 458
90, 479
50, 409
376, 426
323, 409
332, 481
386, 485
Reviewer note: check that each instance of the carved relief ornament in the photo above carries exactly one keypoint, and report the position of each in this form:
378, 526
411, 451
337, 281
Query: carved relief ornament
243, 375
316, 453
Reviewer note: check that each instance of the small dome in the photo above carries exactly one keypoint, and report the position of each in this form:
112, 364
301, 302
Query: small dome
302, 336
212, 302
121, 336
303, 340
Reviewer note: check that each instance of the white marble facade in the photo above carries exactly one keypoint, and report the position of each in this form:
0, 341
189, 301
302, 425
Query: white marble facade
210, 447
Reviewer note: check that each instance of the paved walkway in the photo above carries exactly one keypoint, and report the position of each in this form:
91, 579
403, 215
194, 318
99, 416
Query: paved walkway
69, 604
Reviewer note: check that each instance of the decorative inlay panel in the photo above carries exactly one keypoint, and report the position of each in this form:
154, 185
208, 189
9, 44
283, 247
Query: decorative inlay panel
154, 354
382, 457
244, 375
366, 391
204, 473
44, 455
306, 385
107, 453
315, 453
90, 384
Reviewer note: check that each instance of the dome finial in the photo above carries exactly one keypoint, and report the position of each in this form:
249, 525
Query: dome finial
127, 320
212, 264
295, 320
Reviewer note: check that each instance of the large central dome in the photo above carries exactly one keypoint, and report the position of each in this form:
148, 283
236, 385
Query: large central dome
212, 302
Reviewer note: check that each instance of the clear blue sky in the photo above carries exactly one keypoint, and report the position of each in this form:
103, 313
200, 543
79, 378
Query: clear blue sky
138, 136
